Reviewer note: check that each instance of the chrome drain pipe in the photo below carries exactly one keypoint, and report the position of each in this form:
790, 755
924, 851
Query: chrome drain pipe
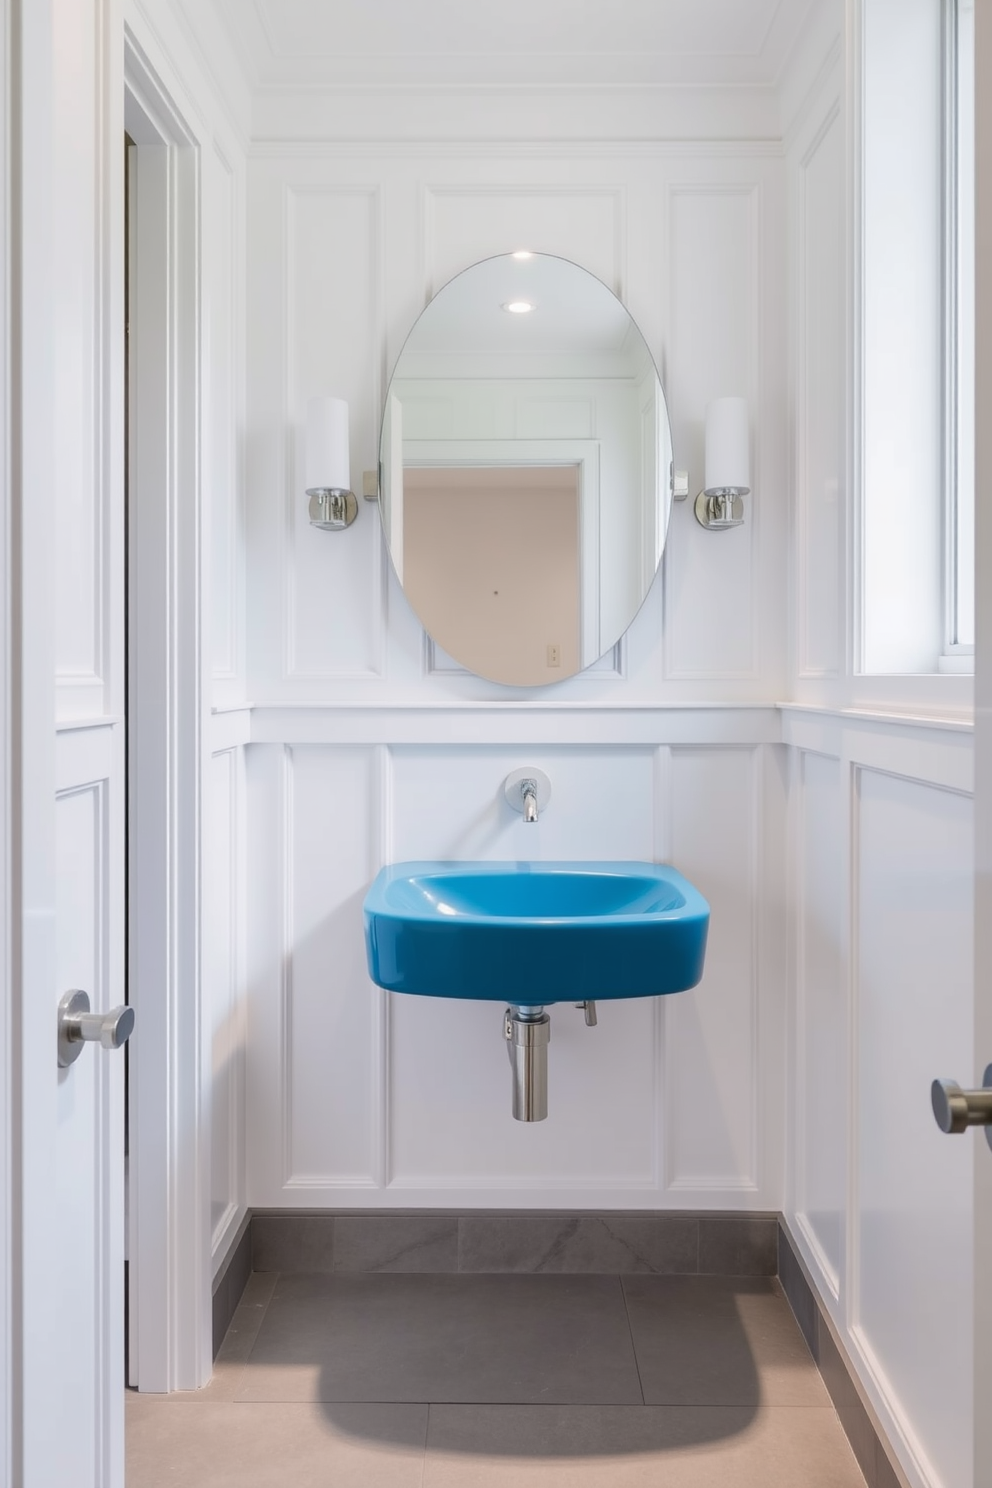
527, 1031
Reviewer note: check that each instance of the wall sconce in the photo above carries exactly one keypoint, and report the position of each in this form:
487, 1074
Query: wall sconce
728, 467
332, 502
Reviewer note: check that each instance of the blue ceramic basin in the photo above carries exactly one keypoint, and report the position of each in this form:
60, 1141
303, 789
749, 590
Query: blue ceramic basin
535, 933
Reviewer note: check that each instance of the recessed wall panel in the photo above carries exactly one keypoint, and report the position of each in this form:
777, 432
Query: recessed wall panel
221, 969
821, 1078
450, 1092
220, 415
333, 327
820, 411
714, 330
327, 1012
465, 223
914, 1260
710, 1033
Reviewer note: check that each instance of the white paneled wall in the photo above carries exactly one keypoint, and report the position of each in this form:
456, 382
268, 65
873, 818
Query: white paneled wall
346, 248
357, 1096
882, 915
819, 428
881, 871
224, 973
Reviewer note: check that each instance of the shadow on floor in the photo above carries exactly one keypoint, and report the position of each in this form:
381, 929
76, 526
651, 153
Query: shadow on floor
614, 1365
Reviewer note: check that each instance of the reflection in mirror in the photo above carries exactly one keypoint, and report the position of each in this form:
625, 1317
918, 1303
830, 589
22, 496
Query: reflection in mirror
525, 469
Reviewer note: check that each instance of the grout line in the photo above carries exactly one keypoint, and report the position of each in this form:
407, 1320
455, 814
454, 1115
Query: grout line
633, 1346
427, 1437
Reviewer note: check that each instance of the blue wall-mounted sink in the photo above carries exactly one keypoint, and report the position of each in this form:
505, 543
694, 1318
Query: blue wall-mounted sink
535, 933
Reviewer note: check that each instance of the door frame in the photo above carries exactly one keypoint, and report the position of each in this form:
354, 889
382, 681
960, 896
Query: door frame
170, 1274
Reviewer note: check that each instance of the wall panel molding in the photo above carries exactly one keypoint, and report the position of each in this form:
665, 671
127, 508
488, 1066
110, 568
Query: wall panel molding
486, 722
716, 303
329, 365
711, 844
903, 986
820, 568
530, 218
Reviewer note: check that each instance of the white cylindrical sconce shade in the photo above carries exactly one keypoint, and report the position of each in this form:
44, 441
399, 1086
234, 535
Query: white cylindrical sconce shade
328, 459
728, 461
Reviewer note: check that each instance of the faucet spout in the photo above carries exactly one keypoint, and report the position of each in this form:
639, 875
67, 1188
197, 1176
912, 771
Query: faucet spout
527, 790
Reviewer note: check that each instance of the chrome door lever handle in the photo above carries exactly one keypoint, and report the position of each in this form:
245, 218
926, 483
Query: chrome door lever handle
954, 1109
78, 1026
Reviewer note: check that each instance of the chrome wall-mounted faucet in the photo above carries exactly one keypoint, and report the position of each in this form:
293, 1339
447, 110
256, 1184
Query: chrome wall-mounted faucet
528, 791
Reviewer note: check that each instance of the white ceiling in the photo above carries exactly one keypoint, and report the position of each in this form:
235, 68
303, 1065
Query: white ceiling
538, 43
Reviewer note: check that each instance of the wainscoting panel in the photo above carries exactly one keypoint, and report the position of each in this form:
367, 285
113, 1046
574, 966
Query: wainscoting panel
387, 1100
878, 1200
711, 1034
450, 1121
224, 989
821, 1012
330, 847
913, 886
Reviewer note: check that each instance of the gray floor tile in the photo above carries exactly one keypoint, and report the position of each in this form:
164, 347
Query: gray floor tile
394, 1337
401, 1242
715, 1340
637, 1447
271, 1446
746, 1245
292, 1242
578, 1243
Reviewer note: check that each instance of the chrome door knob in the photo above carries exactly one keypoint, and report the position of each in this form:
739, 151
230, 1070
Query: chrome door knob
955, 1109
78, 1026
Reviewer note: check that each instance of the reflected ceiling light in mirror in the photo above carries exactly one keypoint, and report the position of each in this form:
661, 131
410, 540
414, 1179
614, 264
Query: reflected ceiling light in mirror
522, 253
328, 477
720, 503
518, 307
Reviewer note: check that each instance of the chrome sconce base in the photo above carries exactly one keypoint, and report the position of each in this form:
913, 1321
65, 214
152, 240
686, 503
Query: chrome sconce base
717, 510
332, 508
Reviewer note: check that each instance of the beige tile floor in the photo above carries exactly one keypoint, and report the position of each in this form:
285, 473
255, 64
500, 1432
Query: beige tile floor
450, 1381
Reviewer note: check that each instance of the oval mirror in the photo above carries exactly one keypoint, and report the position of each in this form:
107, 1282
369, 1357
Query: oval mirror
525, 469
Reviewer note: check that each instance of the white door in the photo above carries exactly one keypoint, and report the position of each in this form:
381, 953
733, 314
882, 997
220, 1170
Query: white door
66, 765
982, 1156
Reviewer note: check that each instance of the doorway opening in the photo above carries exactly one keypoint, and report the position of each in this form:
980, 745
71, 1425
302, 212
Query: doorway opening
168, 1220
